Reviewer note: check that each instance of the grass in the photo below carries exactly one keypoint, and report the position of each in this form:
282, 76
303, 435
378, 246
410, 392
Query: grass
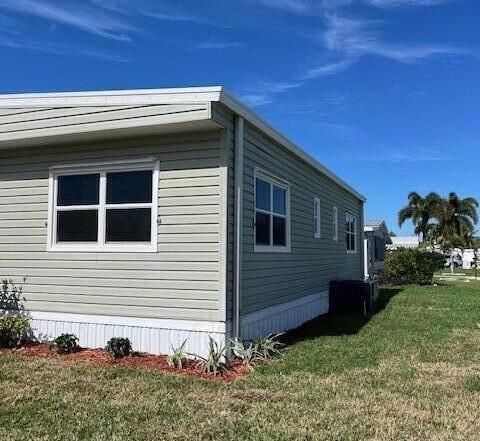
410, 373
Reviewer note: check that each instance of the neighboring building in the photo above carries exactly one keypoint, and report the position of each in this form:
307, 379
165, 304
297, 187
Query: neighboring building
161, 215
376, 237
464, 258
468, 258
404, 242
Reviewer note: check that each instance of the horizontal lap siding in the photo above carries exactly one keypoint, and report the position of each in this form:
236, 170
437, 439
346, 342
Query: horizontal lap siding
273, 278
17, 123
181, 281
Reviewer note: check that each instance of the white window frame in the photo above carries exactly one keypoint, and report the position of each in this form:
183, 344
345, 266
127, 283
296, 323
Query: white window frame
102, 168
335, 223
317, 218
271, 179
349, 218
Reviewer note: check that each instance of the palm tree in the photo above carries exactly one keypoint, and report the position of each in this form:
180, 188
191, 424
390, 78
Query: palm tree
456, 219
421, 211
456, 216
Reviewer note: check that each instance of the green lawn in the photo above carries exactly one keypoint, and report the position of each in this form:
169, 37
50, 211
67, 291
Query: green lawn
410, 373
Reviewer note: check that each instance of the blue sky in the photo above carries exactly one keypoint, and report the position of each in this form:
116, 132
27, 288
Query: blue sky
384, 92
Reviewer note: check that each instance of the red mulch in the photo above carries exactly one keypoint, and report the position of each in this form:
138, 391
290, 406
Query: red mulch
235, 370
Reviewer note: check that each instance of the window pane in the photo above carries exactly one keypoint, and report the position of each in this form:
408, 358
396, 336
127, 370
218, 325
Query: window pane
279, 231
262, 229
129, 187
262, 195
352, 242
77, 190
129, 225
77, 226
279, 195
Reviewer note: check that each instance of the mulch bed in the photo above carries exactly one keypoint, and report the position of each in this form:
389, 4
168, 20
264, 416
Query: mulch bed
99, 357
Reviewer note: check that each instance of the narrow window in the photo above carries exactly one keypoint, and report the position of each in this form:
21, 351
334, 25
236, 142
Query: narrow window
335, 223
350, 233
317, 218
271, 214
104, 208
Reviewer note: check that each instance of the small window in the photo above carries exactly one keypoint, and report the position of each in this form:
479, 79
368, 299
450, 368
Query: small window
271, 214
350, 233
104, 207
335, 223
317, 218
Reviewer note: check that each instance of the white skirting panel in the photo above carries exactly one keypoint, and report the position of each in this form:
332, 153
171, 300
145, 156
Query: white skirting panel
280, 318
155, 336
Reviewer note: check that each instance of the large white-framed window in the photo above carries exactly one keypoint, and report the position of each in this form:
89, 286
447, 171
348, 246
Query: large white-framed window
351, 233
317, 218
335, 223
104, 207
272, 213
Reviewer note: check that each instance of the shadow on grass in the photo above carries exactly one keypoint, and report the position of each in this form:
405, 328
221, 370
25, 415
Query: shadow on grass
338, 324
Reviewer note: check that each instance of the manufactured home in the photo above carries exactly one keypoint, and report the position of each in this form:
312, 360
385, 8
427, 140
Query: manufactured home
376, 239
164, 215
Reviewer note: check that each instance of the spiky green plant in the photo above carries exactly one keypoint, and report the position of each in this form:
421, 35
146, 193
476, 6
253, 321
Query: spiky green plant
269, 347
178, 356
213, 362
247, 353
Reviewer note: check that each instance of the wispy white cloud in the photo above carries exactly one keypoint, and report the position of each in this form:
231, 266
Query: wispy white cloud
296, 6
405, 155
211, 44
303, 7
81, 16
398, 3
265, 92
176, 17
348, 40
65, 50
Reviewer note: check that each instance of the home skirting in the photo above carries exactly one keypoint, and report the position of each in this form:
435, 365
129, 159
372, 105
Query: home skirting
280, 318
155, 336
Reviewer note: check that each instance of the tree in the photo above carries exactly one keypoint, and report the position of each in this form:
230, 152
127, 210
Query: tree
456, 216
456, 220
421, 211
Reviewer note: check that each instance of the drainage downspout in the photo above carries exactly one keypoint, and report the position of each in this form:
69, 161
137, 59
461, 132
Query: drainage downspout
238, 222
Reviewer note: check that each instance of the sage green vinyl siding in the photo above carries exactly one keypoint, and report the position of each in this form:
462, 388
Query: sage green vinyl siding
274, 278
180, 281
17, 124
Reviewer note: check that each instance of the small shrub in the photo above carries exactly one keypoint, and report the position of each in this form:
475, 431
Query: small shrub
214, 361
66, 343
11, 296
247, 354
179, 356
119, 347
411, 266
13, 327
269, 347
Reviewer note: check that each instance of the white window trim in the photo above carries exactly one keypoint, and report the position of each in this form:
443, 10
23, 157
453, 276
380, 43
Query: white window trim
335, 223
259, 173
351, 217
317, 218
135, 164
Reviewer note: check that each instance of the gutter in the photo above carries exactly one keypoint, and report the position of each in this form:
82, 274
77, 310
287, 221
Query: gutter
238, 224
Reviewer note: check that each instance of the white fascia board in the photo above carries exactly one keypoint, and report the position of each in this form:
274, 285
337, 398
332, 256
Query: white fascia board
189, 95
240, 109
